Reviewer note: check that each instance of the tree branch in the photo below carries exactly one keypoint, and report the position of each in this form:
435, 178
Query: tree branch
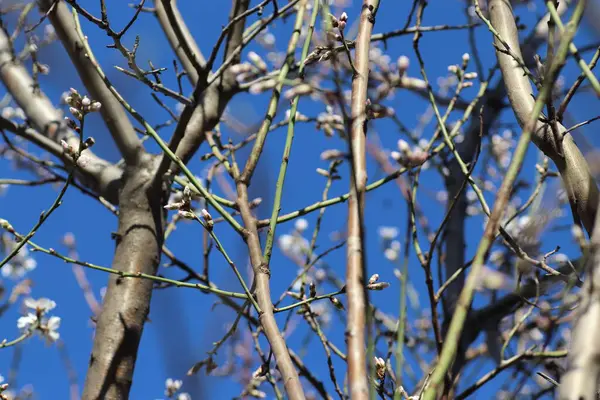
579, 183
180, 38
355, 263
127, 302
97, 174
112, 112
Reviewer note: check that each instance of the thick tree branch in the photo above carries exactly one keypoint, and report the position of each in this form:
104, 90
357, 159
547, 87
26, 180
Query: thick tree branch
579, 183
98, 174
355, 266
112, 112
209, 101
582, 377
127, 302
180, 38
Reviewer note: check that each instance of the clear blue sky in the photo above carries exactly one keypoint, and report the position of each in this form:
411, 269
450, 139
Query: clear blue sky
183, 323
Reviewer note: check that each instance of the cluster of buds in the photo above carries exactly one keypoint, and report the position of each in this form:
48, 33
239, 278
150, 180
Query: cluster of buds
374, 283
408, 157
459, 71
380, 367
183, 206
339, 23
330, 122
74, 153
79, 105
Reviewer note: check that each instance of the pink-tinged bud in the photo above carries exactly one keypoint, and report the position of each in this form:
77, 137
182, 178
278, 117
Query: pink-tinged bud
332, 154
257, 61
403, 146
374, 278
256, 202
378, 286
417, 157
403, 63
187, 192
173, 206
186, 214
322, 172
208, 219
95, 106
240, 68
86, 101
206, 215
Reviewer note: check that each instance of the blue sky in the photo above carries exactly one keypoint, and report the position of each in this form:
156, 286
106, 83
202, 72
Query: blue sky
185, 322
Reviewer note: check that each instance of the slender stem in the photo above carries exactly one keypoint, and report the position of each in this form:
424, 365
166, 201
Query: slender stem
288, 141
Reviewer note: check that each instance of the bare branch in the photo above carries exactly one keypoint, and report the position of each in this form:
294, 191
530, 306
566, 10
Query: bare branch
98, 174
581, 379
180, 38
574, 170
113, 114
355, 263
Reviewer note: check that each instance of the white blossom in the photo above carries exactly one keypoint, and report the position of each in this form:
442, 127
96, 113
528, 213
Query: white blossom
172, 386
301, 224
388, 232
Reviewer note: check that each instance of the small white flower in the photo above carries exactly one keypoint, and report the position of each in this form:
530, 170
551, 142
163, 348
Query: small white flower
41, 305
46, 327
184, 396
301, 224
49, 329
95, 106
403, 63
293, 246
26, 321
388, 232
391, 254
403, 146
172, 386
